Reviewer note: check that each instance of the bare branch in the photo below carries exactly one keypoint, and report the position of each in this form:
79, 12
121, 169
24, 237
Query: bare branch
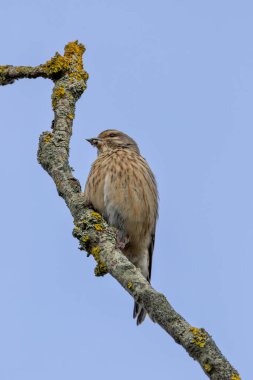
93, 232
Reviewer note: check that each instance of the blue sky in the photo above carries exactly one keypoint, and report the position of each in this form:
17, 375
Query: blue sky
178, 77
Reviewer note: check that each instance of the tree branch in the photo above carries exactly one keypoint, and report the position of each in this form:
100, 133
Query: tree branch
94, 234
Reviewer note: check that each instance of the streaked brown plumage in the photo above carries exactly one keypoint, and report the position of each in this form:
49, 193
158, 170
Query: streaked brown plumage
122, 187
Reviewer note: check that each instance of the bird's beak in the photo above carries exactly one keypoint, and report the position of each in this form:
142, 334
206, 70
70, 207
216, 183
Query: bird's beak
94, 141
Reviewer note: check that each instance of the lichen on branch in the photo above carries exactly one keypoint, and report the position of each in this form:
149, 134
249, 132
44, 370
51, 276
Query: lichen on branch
71, 62
94, 234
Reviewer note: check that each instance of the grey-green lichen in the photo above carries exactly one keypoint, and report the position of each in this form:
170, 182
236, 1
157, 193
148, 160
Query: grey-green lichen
84, 238
87, 230
92, 221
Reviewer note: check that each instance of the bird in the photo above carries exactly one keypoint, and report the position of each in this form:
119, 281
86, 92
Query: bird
123, 189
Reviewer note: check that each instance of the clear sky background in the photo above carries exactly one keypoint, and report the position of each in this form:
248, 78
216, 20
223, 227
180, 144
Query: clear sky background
177, 76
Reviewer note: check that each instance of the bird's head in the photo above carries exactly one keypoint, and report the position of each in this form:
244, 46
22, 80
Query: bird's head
112, 139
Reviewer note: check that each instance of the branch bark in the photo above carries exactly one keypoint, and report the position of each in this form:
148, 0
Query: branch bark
94, 234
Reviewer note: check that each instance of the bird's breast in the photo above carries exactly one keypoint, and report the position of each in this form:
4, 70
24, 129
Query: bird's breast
121, 186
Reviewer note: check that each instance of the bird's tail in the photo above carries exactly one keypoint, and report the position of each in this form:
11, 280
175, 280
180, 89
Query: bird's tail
139, 313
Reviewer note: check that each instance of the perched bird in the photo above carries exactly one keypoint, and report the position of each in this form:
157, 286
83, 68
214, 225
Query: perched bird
122, 187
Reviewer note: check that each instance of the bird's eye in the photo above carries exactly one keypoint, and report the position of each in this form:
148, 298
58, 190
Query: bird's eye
112, 135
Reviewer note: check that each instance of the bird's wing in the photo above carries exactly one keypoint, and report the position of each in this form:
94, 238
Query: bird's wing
150, 253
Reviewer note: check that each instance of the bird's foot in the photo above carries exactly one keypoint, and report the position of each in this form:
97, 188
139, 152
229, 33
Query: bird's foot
121, 242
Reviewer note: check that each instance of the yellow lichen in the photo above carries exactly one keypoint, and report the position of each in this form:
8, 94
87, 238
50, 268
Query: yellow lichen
74, 52
98, 227
85, 238
3, 68
56, 65
95, 252
71, 61
100, 269
71, 116
96, 215
199, 336
207, 367
48, 137
74, 48
129, 285
235, 377
79, 75
57, 94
